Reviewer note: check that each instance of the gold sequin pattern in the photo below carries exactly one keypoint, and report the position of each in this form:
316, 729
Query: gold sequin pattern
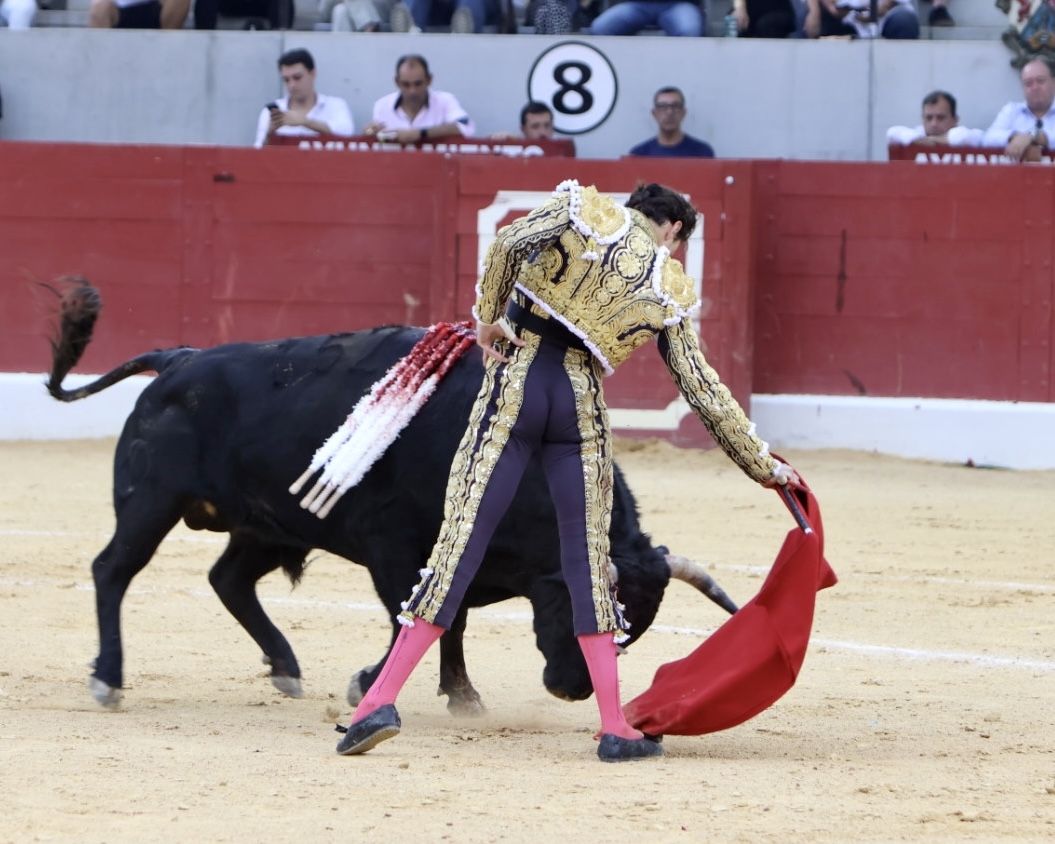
596, 458
470, 472
713, 403
605, 292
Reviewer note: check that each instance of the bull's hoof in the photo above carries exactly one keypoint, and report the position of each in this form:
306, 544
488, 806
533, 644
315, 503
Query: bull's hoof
104, 694
466, 706
618, 749
355, 690
289, 686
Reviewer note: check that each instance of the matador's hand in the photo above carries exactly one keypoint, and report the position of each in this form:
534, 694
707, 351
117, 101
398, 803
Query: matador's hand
784, 474
490, 336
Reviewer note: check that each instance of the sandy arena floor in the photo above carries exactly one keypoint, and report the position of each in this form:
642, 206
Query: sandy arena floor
924, 709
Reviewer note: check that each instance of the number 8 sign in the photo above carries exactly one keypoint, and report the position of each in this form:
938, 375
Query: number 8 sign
578, 82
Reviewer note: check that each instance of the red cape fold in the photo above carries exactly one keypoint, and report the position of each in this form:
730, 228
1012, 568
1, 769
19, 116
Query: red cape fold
749, 662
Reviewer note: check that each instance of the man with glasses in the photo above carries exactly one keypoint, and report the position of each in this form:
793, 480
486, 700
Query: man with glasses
1025, 128
668, 110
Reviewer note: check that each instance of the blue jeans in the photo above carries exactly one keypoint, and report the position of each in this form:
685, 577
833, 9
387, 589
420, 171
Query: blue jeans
675, 18
438, 12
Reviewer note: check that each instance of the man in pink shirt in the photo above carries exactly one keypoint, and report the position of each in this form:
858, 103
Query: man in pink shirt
417, 112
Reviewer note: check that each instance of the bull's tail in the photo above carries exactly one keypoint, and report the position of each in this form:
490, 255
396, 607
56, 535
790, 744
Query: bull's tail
79, 306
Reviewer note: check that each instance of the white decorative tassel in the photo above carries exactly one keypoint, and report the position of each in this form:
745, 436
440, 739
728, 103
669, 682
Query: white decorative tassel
379, 417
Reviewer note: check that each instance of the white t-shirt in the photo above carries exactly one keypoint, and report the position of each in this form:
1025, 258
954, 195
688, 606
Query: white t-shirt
1016, 117
868, 29
439, 108
956, 136
333, 111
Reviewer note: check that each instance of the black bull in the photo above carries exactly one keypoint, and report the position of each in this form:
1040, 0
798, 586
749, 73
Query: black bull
217, 438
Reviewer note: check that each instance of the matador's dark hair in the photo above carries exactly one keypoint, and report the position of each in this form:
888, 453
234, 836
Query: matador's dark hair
662, 204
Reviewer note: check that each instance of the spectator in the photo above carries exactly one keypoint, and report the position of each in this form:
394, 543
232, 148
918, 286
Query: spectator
18, 14
1025, 129
536, 124
461, 15
261, 14
939, 14
303, 111
940, 125
894, 19
558, 17
415, 112
674, 17
668, 110
138, 14
764, 18
355, 15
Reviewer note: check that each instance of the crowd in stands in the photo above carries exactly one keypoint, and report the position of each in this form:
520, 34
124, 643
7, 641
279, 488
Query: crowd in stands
686, 18
417, 112
1024, 129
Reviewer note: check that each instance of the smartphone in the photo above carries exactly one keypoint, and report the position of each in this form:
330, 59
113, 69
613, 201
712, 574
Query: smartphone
272, 107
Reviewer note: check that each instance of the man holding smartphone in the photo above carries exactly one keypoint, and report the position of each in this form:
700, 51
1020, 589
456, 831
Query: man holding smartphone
303, 111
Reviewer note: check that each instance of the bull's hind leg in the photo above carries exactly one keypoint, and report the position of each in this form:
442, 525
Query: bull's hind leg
234, 577
141, 525
462, 698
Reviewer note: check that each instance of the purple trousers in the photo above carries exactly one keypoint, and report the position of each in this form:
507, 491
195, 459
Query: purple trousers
547, 400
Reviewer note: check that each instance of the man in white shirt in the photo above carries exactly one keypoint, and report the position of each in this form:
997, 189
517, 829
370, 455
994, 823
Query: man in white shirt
1024, 129
19, 14
940, 125
303, 111
416, 112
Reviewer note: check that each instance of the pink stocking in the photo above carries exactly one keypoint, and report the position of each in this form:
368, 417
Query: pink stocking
600, 653
410, 646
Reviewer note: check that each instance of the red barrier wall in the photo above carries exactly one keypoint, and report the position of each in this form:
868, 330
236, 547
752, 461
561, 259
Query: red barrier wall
878, 279
905, 280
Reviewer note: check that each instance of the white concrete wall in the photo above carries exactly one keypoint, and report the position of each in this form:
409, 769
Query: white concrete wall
1013, 435
793, 99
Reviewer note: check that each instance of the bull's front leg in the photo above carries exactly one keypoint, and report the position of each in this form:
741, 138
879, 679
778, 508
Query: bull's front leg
462, 698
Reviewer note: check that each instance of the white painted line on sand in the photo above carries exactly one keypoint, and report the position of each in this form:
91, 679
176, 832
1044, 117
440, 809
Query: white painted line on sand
887, 651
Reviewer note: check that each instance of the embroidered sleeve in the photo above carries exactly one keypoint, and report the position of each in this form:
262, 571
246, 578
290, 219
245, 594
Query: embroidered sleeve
512, 246
712, 401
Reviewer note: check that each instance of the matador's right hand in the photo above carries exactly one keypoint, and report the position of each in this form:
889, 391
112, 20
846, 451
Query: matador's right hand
783, 474
490, 336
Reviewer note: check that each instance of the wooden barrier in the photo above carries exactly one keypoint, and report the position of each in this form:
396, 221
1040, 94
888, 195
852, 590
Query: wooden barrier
822, 279
452, 144
971, 155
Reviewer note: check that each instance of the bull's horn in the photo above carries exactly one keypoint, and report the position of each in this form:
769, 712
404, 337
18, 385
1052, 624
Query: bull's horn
682, 568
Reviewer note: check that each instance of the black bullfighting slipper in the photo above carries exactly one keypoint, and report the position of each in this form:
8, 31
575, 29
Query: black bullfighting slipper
614, 748
383, 723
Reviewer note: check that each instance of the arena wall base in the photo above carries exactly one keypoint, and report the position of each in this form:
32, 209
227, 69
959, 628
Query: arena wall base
1012, 435
31, 414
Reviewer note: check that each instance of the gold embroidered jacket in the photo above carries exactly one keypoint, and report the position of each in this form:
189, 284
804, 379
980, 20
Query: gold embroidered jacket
594, 266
